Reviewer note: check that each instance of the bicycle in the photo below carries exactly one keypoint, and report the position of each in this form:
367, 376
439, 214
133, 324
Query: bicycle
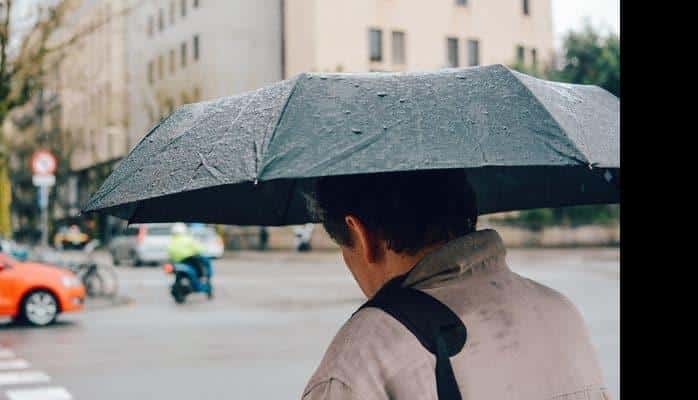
100, 280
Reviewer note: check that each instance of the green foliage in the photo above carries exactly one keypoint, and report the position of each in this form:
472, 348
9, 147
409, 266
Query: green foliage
589, 58
537, 219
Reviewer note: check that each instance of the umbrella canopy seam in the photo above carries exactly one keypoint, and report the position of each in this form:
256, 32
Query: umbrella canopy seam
265, 142
586, 161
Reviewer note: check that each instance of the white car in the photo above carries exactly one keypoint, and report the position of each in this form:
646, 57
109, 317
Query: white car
147, 243
209, 239
141, 244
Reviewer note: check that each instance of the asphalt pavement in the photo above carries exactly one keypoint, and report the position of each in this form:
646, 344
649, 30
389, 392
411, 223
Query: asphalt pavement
262, 335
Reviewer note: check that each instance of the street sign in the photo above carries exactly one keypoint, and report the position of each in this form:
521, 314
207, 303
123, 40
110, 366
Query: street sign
43, 163
44, 180
43, 169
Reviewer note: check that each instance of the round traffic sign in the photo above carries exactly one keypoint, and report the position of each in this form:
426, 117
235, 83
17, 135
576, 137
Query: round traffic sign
43, 163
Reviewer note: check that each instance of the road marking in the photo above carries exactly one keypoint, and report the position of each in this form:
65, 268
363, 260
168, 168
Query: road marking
47, 393
23, 377
13, 364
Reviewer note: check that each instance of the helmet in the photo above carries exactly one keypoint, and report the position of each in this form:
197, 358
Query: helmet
179, 229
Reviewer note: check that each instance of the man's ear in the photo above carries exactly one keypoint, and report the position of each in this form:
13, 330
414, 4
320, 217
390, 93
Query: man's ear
367, 244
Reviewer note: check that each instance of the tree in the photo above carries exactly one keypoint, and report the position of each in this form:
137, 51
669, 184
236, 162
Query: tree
24, 56
588, 57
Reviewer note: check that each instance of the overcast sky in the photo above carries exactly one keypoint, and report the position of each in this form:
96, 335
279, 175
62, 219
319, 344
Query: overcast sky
569, 14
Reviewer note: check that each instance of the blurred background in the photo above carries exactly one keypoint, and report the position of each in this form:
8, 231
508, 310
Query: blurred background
85, 80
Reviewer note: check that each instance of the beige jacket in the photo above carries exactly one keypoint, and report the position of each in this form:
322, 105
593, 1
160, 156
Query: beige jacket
525, 341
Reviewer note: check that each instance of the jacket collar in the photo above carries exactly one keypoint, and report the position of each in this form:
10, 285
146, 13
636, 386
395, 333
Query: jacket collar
459, 259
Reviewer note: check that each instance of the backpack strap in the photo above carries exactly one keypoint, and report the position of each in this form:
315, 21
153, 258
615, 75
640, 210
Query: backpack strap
436, 327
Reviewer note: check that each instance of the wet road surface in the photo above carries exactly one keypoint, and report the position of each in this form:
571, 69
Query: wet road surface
261, 337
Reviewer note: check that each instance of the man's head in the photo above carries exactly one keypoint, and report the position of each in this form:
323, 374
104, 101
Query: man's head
385, 222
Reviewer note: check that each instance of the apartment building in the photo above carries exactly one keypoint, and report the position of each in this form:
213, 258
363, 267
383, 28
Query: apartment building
414, 35
183, 51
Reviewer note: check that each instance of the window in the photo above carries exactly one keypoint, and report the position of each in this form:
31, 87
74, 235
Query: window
376, 45
452, 49
520, 54
196, 47
151, 72
173, 61
197, 94
462, 3
196, 3
183, 6
151, 26
161, 67
473, 53
524, 5
534, 57
183, 53
172, 12
161, 20
399, 48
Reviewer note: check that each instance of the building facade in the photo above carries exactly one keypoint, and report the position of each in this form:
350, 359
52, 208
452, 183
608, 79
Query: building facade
183, 51
414, 35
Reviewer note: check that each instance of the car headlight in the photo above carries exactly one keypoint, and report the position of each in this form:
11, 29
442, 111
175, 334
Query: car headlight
70, 281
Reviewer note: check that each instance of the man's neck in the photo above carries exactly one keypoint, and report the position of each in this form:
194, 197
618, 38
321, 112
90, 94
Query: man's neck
397, 264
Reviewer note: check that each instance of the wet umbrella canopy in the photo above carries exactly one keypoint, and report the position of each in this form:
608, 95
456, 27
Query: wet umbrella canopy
249, 159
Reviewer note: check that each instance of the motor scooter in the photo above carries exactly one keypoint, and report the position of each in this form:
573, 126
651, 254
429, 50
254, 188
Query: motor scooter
187, 280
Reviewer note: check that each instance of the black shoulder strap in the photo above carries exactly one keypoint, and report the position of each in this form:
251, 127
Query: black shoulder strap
436, 327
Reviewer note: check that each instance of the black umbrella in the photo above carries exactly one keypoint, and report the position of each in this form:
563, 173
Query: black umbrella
249, 159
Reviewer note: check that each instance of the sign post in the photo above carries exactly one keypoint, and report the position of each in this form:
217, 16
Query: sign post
43, 170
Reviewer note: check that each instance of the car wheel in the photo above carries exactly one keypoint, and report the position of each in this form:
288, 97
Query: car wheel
39, 308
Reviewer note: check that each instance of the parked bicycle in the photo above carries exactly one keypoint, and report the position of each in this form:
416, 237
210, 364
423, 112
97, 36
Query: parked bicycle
99, 279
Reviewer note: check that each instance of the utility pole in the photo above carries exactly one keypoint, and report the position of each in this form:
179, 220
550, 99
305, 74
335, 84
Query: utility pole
43, 164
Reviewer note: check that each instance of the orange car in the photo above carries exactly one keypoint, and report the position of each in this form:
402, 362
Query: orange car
37, 293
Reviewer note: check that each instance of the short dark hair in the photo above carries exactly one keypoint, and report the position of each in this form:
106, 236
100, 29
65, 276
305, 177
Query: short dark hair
409, 210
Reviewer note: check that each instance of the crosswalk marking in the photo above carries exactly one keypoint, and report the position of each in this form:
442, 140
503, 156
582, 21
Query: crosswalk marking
23, 377
12, 372
47, 393
13, 364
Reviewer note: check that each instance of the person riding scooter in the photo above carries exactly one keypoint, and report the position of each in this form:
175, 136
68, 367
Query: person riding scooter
183, 248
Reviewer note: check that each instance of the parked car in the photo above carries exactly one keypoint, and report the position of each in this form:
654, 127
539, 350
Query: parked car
141, 244
210, 240
36, 293
70, 237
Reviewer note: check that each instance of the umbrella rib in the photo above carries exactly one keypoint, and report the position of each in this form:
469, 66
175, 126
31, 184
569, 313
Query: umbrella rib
265, 142
545, 109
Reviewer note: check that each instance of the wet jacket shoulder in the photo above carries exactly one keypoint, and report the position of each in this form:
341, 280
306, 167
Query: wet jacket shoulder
525, 341
374, 343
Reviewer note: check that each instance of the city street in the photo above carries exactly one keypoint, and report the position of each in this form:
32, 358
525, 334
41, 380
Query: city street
260, 337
